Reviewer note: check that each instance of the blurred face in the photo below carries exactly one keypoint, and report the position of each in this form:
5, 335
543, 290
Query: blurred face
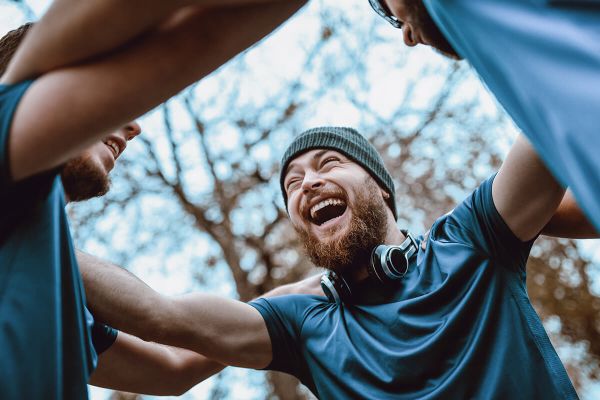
87, 176
336, 207
417, 25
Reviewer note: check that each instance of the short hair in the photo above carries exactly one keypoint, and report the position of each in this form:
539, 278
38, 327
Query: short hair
9, 44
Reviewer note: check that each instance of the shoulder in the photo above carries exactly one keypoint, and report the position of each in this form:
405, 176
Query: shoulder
10, 96
289, 304
475, 221
290, 310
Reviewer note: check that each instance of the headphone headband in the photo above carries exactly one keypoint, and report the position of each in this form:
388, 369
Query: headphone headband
388, 263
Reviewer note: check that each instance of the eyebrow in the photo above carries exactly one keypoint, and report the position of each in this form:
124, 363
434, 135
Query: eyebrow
317, 155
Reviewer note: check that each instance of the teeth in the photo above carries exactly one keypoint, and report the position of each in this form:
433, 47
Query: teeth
114, 146
324, 203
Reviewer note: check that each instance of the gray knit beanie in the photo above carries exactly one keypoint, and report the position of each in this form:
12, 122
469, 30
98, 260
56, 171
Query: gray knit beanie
348, 142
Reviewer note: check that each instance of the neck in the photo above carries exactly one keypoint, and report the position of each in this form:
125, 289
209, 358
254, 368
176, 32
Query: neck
393, 237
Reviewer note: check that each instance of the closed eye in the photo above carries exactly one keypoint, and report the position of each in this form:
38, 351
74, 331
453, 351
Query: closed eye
329, 160
291, 184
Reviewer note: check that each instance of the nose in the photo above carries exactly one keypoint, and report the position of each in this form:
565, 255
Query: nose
132, 129
311, 181
408, 35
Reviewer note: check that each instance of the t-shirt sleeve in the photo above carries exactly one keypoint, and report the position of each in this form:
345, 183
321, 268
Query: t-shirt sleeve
103, 336
476, 222
10, 96
283, 316
19, 197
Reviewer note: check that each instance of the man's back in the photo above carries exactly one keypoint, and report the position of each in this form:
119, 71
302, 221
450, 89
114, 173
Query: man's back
459, 325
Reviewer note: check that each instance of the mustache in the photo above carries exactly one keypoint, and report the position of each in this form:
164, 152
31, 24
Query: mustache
327, 192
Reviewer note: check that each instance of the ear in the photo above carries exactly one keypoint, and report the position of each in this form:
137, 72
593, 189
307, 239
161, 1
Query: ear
385, 194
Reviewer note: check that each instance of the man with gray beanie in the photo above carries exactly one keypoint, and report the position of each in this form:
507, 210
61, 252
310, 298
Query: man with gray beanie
444, 316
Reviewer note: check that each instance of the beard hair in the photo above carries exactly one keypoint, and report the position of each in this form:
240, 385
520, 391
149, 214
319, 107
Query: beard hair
436, 38
367, 229
82, 179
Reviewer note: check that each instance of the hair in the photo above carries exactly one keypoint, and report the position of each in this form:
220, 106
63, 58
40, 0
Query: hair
9, 44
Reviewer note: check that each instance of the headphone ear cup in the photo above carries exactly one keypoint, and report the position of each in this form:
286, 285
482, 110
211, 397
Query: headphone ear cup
336, 288
388, 263
375, 269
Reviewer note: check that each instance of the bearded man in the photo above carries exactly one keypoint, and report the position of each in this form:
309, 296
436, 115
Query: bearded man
540, 58
455, 323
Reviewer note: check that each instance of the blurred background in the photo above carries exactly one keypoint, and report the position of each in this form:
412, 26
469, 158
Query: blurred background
195, 202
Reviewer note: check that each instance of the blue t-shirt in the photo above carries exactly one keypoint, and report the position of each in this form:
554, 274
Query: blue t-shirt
541, 59
46, 349
458, 326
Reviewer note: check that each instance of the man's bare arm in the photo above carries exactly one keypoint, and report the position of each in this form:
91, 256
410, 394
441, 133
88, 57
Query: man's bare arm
77, 105
73, 31
569, 221
227, 331
525, 192
137, 366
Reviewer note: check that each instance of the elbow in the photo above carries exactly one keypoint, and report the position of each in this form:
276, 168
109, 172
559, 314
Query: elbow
187, 369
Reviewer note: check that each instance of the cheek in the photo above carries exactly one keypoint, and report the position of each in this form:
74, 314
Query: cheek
294, 209
96, 151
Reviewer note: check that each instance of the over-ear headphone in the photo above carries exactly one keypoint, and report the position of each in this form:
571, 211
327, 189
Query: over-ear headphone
388, 263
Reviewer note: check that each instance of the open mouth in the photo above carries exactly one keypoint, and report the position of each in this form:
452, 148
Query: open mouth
327, 210
114, 147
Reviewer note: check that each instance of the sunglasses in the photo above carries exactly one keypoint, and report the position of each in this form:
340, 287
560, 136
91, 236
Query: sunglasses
385, 13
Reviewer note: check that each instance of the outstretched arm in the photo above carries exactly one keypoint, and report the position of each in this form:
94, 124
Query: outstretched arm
525, 193
74, 31
228, 331
570, 222
78, 104
133, 365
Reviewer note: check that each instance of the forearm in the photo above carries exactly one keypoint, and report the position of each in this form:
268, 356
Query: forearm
119, 298
72, 31
570, 222
225, 330
134, 365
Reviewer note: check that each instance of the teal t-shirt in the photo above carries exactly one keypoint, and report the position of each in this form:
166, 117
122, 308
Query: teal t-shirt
459, 325
45, 337
541, 59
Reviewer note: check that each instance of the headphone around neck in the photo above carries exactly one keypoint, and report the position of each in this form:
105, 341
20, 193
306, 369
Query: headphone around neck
388, 264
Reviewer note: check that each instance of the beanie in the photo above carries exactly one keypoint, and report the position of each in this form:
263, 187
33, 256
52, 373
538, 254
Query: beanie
348, 142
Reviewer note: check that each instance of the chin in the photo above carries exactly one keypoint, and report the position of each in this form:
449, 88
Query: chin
83, 179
